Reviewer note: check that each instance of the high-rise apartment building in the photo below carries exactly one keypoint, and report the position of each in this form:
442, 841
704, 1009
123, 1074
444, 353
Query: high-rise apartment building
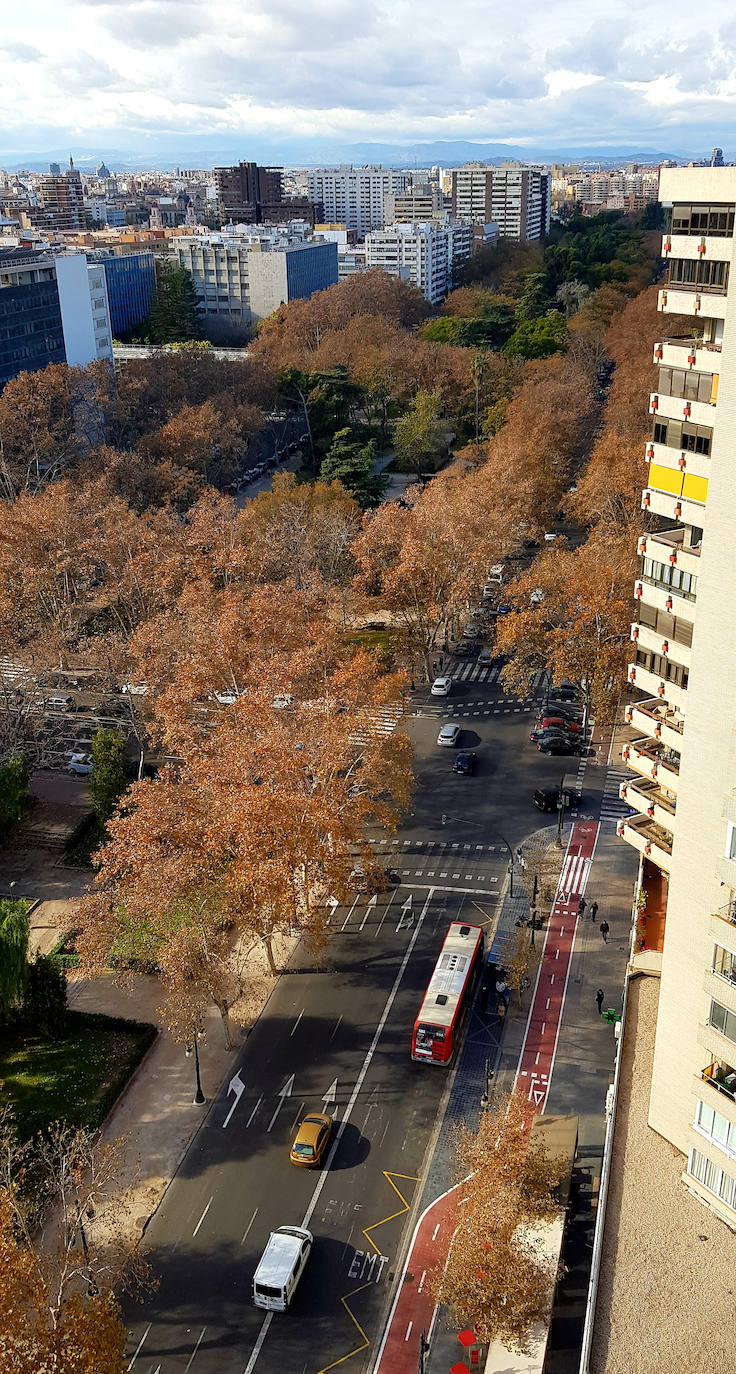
62, 198
426, 255
420, 202
354, 196
85, 311
684, 661
515, 197
249, 194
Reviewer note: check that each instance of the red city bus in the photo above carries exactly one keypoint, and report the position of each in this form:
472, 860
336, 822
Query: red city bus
437, 1028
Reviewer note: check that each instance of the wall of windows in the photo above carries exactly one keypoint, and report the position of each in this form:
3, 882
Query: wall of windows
717, 220
724, 963
688, 385
700, 275
716, 1180
723, 1020
715, 1127
669, 575
680, 434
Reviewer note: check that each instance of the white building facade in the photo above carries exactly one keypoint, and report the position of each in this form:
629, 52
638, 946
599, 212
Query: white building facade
427, 255
85, 310
683, 756
242, 278
515, 197
354, 196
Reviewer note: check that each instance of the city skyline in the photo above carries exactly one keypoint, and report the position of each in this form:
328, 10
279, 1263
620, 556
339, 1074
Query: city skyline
167, 79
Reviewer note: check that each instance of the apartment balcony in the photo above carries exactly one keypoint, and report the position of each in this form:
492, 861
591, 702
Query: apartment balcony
695, 353
649, 799
672, 507
696, 247
659, 720
721, 988
662, 597
723, 924
648, 838
701, 301
716, 1043
677, 471
677, 408
668, 546
647, 681
653, 759
716, 1086
657, 643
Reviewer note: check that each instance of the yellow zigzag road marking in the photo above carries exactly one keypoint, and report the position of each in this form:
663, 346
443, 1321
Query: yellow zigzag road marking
358, 1327
410, 1178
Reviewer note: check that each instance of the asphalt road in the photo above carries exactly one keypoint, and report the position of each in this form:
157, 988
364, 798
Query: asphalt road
345, 1017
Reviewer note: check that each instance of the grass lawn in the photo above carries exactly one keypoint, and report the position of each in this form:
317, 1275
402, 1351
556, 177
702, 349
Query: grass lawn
77, 1078
372, 639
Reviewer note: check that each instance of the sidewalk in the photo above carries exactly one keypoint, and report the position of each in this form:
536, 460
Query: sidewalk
156, 1116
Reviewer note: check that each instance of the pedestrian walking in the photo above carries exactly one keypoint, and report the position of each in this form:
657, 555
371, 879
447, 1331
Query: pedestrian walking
581, 906
599, 999
594, 911
604, 928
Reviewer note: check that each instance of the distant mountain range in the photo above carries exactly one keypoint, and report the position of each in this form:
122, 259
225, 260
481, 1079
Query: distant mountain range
295, 152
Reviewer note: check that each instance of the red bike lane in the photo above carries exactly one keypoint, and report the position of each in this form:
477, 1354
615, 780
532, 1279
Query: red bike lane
413, 1310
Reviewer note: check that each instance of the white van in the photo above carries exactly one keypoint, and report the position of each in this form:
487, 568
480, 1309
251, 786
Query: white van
280, 1267
59, 703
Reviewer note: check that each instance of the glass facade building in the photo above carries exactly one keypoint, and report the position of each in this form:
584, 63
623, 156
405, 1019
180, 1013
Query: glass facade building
131, 281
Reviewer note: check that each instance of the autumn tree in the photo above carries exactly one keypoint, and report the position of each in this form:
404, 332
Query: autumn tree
41, 426
496, 1279
299, 530
419, 436
581, 628
58, 1307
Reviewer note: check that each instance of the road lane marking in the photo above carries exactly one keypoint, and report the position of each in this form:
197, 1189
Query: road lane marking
389, 1177
283, 1094
347, 918
296, 1023
255, 1109
237, 1086
138, 1347
341, 1130
201, 1219
337, 1025
247, 1229
385, 913
421, 1281
408, 1331
196, 1348
302, 1105
358, 1349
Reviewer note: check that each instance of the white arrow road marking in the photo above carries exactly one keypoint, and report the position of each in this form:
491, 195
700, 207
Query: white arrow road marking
237, 1086
348, 1111
370, 905
406, 916
285, 1092
330, 1095
138, 1347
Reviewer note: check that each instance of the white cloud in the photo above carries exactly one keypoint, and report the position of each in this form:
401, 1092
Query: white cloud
539, 72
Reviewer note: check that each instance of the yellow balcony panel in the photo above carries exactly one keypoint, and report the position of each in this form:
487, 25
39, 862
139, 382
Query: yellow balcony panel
666, 473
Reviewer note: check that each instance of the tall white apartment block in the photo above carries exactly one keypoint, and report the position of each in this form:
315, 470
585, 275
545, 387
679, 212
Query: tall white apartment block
354, 196
427, 255
85, 309
515, 197
684, 662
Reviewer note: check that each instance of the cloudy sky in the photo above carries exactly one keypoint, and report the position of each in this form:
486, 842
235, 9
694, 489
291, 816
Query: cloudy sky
172, 76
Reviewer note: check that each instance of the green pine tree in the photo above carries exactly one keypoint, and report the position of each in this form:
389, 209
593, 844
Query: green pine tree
175, 316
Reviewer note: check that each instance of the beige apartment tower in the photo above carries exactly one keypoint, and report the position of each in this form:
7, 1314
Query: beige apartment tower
684, 661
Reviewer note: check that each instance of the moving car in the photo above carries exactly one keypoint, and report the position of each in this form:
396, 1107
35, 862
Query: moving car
441, 687
465, 762
311, 1140
486, 656
281, 1266
464, 649
548, 798
449, 735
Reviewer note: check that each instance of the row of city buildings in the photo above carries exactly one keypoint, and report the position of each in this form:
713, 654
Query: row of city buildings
682, 792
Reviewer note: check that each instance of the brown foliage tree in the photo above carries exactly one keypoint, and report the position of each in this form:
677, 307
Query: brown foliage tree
495, 1279
42, 426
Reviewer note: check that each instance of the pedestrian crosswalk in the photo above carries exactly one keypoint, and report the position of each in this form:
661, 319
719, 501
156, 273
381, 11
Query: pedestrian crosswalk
476, 672
383, 722
612, 808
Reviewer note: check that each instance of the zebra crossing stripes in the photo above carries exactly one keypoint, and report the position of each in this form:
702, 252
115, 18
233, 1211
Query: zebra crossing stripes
383, 722
475, 672
612, 807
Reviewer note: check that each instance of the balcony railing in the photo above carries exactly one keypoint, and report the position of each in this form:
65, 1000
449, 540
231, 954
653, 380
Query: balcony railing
666, 587
728, 1089
727, 913
699, 288
660, 714
691, 343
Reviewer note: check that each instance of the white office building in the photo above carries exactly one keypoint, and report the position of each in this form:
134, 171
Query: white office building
354, 196
515, 197
85, 309
427, 255
242, 278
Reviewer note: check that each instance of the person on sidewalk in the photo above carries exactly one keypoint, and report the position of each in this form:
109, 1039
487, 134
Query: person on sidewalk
581, 906
599, 999
604, 929
594, 911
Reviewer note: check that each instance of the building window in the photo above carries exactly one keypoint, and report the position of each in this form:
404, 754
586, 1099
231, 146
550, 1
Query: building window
723, 1020
724, 963
716, 1180
731, 841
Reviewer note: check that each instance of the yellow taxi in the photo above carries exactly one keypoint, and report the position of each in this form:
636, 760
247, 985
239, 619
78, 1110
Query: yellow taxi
311, 1140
